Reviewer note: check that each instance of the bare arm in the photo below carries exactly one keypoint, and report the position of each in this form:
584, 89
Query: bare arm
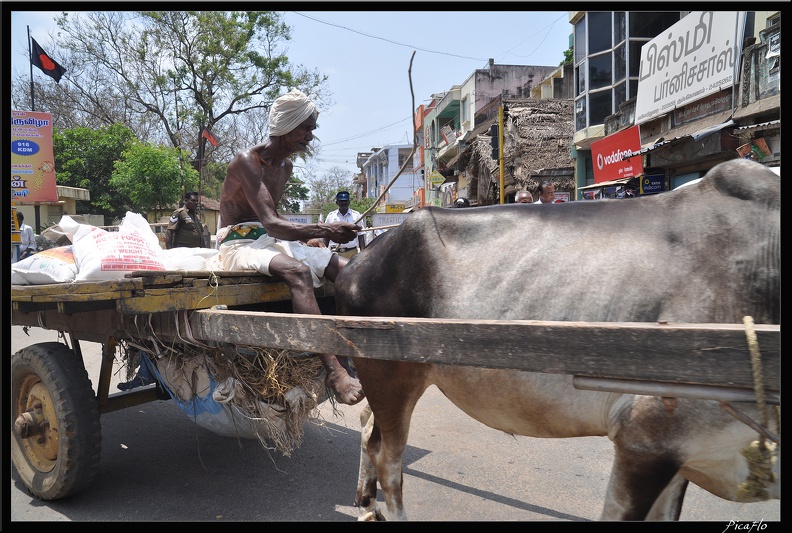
259, 188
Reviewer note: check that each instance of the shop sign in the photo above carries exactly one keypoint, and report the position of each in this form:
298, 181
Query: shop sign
617, 156
695, 57
652, 183
32, 160
299, 217
435, 178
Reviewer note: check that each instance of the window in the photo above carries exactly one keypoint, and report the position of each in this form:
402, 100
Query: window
600, 71
600, 39
580, 113
620, 92
580, 79
619, 63
619, 27
649, 24
404, 153
580, 40
464, 112
600, 106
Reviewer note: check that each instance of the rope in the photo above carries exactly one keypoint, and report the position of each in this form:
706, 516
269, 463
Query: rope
758, 454
756, 366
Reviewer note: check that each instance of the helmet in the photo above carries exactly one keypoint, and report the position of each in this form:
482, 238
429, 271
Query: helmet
462, 202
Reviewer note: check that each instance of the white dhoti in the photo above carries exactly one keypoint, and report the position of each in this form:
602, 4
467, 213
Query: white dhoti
247, 246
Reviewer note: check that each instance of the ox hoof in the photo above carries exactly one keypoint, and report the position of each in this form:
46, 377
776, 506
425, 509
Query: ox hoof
372, 516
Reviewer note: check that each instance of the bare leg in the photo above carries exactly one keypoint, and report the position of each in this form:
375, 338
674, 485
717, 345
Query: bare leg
297, 276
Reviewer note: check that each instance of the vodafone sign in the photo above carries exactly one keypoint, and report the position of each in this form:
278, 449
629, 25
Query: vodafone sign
617, 156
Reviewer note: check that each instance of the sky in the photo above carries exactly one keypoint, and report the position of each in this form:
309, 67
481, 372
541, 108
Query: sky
366, 55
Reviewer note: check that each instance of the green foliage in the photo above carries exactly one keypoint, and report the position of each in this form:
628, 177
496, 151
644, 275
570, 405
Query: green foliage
292, 196
151, 177
84, 157
212, 179
569, 55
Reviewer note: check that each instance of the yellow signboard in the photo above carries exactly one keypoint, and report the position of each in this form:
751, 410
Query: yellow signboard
394, 208
435, 178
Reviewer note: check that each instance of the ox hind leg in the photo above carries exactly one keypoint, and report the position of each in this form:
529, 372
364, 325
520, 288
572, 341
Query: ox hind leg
392, 389
644, 486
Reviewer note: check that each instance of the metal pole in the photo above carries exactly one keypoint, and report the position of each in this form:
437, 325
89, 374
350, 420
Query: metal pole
500, 152
30, 57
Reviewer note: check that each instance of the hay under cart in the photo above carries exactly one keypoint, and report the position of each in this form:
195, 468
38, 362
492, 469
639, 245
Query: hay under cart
234, 334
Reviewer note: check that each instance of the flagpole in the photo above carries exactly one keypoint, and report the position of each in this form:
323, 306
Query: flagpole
30, 57
201, 141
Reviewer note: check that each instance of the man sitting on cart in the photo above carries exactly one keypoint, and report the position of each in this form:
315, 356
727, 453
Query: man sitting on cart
256, 237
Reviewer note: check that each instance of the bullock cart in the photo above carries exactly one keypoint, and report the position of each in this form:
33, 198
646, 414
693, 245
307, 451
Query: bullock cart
56, 436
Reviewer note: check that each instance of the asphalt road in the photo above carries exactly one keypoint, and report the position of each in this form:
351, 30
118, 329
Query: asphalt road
157, 465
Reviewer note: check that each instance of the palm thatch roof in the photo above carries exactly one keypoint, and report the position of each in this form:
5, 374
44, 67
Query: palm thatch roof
537, 136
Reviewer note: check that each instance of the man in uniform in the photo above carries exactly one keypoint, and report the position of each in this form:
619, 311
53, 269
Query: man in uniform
255, 236
345, 214
184, 229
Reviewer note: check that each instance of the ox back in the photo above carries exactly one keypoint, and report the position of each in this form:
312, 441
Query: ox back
708, 253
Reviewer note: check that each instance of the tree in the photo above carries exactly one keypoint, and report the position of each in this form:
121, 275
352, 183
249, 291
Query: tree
169, 74
151, 177
324, 189
296, 192
85, 158
569, 55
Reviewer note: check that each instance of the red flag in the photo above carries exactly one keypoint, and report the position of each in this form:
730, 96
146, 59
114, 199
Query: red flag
42, 60
209, 136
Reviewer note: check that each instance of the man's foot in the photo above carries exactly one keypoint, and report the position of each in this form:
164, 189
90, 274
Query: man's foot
137, 381
346, 388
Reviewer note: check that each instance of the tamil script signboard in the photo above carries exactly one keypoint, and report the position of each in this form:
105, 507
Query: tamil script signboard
32, 159
697, 56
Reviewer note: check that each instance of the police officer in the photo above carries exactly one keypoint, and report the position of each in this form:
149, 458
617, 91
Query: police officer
345, 214
184, 228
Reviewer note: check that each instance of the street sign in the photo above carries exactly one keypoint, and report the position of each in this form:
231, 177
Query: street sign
435, 178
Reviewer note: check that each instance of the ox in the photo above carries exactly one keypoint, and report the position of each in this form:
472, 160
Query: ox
708, 253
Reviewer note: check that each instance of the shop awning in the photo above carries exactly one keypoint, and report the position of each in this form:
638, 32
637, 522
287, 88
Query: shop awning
611, 183
747, 130
696, 130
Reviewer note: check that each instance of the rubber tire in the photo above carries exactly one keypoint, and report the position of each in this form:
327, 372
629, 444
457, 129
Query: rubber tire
67, 460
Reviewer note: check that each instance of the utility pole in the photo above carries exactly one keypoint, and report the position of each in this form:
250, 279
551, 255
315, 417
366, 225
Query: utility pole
500, 152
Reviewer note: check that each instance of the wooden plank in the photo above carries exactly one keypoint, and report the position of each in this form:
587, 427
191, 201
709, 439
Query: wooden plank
710, 354
202, 297
77, 291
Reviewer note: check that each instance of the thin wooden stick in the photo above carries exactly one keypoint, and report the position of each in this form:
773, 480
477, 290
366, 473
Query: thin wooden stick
381, 227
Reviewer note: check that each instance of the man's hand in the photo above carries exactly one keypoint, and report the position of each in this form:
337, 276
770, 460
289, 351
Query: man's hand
341, 231
316, 243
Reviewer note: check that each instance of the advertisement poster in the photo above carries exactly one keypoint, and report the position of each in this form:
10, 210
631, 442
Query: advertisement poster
32, 160
617, 156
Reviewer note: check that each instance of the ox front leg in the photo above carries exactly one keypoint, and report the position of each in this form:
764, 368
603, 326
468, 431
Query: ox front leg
366, 497
376, 464
639, 484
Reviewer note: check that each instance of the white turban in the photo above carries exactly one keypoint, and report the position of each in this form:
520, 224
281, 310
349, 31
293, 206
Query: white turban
289, 111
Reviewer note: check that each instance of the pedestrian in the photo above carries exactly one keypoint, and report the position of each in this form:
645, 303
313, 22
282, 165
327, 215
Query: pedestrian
184, 228
254, 236
27, 245
344, 214
546, 193
523, 197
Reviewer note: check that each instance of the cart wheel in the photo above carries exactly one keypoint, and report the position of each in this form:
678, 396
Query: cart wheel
56, 438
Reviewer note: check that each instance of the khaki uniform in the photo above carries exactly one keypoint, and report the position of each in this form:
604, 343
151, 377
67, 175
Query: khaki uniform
188, 231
